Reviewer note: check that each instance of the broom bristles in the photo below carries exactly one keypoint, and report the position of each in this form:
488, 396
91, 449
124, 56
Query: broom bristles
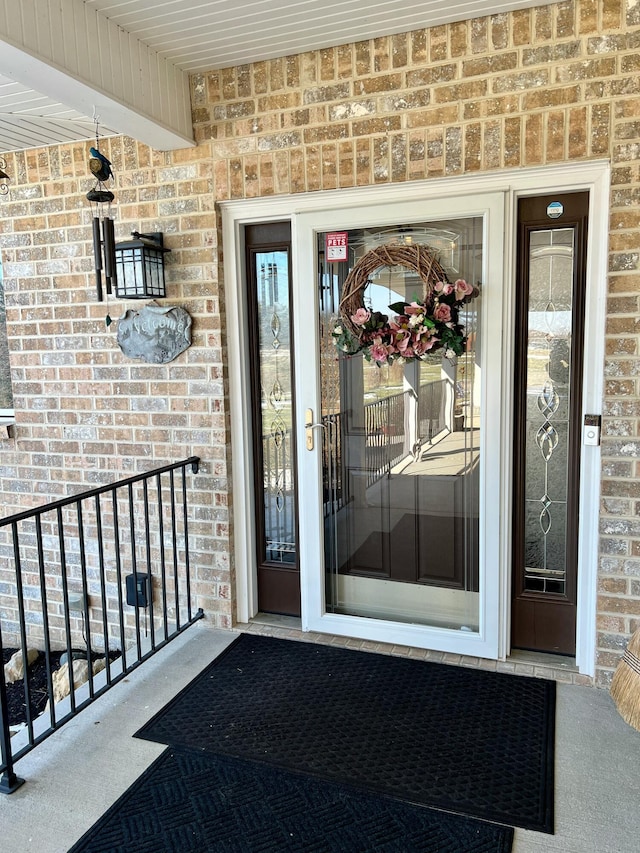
625, 687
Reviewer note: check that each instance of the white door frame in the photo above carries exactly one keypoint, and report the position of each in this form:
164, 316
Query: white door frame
490, 207
591, 176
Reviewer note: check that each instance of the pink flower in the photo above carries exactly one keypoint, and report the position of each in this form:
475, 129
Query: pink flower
403, 343
463, 289
424, 341
443, 287
379, 352
442, 313
361, 317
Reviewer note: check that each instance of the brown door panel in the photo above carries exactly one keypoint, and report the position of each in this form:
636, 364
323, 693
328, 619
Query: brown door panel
549, 332
542, 625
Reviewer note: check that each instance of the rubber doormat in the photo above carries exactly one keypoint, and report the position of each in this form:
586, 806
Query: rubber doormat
194, 801
463, 740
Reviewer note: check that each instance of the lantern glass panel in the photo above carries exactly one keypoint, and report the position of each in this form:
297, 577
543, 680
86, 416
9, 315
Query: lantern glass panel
140, 272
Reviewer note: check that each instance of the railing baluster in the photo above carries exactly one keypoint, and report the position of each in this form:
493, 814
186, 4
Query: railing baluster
103, 588
163, 561
116, 542
145, 492
134, 566
45, 616
85, 595
65, 607
9, 782
185, 523
174, 540
23, 633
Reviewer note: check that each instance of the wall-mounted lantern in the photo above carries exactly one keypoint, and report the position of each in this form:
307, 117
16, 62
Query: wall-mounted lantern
140, 267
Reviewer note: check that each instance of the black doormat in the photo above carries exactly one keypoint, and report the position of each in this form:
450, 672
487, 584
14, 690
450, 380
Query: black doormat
463, 740
195, 801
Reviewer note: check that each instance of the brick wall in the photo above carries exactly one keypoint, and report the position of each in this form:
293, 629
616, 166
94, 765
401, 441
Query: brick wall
528, 88
86, 414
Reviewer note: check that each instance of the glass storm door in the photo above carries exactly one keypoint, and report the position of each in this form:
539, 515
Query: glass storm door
268, 282
401, 446
395, 465
549, 342
401, 452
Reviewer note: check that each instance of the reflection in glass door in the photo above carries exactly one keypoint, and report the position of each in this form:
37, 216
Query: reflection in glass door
401, 450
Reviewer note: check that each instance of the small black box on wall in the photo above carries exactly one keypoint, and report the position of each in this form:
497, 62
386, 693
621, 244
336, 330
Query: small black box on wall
142, 598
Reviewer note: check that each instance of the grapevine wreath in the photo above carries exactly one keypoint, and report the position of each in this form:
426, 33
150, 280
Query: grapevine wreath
419, 327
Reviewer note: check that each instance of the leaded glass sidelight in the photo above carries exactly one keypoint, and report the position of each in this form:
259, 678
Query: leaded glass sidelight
549, 354
272, 272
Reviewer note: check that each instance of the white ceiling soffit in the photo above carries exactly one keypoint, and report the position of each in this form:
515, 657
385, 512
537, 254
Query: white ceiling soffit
64, 61
198, 35
29, 119
76, 57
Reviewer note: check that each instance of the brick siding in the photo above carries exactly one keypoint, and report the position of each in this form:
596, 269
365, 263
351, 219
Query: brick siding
534, 87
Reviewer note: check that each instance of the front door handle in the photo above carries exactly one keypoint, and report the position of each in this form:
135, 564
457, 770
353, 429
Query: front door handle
309, 427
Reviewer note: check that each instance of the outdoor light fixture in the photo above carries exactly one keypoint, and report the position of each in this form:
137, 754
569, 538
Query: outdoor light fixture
140, 267
4, 178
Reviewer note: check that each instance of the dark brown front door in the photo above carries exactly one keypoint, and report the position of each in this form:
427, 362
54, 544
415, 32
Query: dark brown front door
268, 256
552, 234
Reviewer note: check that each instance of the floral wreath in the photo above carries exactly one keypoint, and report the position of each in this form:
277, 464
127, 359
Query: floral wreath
419, 327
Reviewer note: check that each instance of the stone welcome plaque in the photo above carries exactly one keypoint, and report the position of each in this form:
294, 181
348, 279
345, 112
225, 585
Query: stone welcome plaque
154, 333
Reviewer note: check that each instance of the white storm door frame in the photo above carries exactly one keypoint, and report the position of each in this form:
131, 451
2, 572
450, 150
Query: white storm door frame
490, 206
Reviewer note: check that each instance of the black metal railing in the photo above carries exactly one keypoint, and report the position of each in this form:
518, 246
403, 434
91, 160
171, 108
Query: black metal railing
87, 575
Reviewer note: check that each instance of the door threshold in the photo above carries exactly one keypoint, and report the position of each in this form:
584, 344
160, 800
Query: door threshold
543, 659
276, 620
520, 662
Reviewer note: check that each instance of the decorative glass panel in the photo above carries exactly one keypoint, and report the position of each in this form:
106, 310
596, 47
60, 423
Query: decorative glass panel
551, 272
272, 272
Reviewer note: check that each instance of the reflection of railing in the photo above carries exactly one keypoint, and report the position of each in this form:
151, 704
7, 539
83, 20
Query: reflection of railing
432, 415
384, 423
393, 427
334, 483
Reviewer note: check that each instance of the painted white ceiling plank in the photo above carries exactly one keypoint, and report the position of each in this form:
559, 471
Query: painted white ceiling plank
56, 29
119, 55
145, 19
83, 56
129, 111
46, 132
69, 36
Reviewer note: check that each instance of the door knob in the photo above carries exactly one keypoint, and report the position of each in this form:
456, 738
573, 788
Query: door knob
309, 427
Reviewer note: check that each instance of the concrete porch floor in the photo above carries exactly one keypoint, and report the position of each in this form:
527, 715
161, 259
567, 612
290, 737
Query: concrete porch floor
74, 776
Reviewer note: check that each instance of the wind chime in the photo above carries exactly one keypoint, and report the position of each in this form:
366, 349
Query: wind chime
104, 244
4, 177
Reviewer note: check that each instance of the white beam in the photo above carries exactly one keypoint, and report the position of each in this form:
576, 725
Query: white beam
78, 57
